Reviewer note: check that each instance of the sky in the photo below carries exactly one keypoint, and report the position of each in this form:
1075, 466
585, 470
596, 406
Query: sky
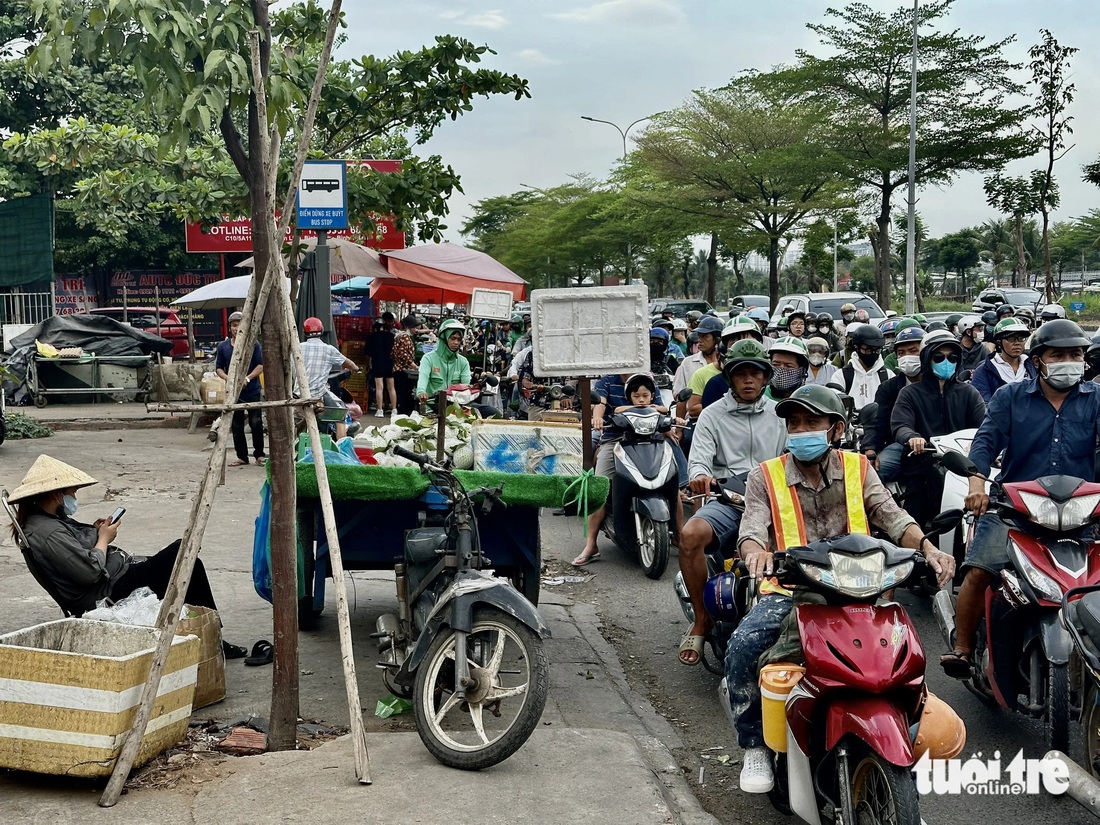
621, 60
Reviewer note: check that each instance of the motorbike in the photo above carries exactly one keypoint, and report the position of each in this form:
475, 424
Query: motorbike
736, 590
1081, 617
845, 747
464, 645
1024, 655
645, 489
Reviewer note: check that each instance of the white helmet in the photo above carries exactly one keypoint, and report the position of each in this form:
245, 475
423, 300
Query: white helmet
1053, 311
969, 322
679, 325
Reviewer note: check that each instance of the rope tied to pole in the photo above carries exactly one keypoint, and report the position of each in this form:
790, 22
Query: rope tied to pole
580, 498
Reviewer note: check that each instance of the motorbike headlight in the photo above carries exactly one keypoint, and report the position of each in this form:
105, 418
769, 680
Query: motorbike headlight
1043, 509
896, 574
856, 576
644, 424
1077, 511
1040, 582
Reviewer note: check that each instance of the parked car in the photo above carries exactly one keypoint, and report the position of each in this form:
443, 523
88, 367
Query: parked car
145, 318
679, 308
742, 302
831, 302
995, 296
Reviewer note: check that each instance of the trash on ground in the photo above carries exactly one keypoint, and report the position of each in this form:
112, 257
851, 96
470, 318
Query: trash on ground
390, 706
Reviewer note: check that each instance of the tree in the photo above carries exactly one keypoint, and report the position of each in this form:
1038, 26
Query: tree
958, 252
995, 242
737, 158
966, 120
1049, 67
1018, 197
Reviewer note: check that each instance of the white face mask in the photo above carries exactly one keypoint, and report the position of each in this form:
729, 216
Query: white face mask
909, 364
817, 359
977, 335
1065, 374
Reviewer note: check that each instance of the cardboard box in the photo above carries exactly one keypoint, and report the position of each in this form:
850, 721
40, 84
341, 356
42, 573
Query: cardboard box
205, 623
212, 390
69, 690
539, 448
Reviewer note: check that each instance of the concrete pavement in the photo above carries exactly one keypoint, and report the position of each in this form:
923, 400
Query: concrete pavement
600, 752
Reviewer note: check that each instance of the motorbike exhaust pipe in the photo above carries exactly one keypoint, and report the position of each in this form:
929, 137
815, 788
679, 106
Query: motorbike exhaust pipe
387, 629
685, 599
943, 606
1081, 787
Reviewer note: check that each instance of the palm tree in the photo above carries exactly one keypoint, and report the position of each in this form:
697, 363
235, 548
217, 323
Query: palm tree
996, 244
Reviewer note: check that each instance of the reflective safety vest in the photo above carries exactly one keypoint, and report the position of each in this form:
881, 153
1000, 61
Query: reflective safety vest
787, 520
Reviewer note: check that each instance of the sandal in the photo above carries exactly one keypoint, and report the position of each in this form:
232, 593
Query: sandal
263, 653
581, 561
691, 644
957, 664
238, 463
232, 651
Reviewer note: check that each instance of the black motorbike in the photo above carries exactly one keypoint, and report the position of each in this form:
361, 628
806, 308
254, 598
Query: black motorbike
1081, 617
465, 646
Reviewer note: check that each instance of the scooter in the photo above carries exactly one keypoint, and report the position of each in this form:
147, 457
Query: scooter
465, 646
1081, 617
728, 582
844, 750
1024, 655
645, 489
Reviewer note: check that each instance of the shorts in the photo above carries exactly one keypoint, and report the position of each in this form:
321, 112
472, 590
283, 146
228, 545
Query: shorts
988, 549
723, 519
605, 459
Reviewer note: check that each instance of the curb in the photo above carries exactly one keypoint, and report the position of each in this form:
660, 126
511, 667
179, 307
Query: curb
101, 424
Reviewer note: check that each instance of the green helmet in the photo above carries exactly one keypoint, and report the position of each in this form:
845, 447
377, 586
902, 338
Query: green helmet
742, 324
1009, 325
449, 326
517, 319
795, 346
782, 324
817, 399
906, 323
746, 351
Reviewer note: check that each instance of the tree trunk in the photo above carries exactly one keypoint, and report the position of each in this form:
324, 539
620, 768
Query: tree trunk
883, 284
1021, 253
739, 273
1049, 285
712, 268
773, 273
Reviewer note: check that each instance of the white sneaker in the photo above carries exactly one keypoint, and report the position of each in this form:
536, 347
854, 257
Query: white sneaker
379, 414
756, 773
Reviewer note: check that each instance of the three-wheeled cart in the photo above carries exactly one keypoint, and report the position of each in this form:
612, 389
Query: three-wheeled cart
85, 377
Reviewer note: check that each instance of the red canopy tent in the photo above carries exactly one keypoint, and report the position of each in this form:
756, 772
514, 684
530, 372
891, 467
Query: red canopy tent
442, 273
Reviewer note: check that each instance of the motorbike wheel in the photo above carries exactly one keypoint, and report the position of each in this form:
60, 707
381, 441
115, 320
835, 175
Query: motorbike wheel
779, 795
653, 547
881, 792
508, 660
1058, 707
1090, 720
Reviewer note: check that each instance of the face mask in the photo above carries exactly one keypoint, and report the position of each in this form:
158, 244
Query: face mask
810, 330
868, 361
848, 317
68, 505
817, 359
909, 364
978, 335
786, 378
657, 351
1065, 375
943, 369
808, 446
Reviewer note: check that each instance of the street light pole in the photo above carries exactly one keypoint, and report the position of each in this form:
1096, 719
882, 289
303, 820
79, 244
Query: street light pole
911, 230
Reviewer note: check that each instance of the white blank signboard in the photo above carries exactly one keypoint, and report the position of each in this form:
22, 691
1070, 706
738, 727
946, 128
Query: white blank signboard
494, 304
590, 330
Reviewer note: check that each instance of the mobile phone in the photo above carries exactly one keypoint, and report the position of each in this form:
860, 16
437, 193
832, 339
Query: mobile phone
116, 515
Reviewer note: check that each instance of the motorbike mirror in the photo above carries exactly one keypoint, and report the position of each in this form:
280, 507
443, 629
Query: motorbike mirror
684, 394
491, 380
869, 414
958, 463
556, 391
965, 376
945, 522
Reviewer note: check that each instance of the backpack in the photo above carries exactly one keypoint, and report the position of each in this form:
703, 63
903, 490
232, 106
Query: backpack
850, 377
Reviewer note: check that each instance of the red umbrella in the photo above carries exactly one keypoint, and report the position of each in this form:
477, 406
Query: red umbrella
442, 273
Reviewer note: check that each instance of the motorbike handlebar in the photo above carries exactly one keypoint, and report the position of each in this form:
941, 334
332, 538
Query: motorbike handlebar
411, 456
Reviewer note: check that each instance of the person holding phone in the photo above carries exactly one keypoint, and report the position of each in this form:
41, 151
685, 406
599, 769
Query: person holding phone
81, 561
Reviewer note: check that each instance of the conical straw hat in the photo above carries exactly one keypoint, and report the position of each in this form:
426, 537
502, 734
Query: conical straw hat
48, 474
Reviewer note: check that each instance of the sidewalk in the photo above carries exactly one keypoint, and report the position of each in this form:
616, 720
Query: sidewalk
601, 750
104, 416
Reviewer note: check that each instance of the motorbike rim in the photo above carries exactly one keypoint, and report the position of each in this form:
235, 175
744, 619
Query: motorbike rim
882, 793
508, 660
653, 542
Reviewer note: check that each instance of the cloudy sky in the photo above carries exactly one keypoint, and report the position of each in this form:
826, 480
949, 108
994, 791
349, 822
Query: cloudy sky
620, 60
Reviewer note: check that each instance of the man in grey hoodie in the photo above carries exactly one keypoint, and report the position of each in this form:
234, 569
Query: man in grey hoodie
732, 436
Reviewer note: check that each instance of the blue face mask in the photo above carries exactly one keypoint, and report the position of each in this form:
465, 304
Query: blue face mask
943, 369
68, 506
808, 446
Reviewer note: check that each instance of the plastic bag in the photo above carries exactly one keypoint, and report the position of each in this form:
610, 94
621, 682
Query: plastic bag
139, 608
261, 551
343, 454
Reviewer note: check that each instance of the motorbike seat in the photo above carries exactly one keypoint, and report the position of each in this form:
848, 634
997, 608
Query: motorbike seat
1085, 616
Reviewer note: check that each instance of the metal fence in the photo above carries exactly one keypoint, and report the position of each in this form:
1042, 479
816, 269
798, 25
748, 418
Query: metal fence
25, 307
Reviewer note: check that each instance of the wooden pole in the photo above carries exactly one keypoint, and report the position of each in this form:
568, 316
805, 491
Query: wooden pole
586, 421
440, 421
243, 405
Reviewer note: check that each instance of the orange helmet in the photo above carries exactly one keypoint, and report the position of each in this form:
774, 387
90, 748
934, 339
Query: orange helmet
941, 732
313, 327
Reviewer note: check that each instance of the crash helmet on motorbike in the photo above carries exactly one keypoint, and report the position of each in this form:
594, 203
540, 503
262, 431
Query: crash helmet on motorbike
889, 326
933, 340
862, 316
824, 320
817, 399
818, 349
450, 326
1026, 314
936, 326
1060, 332
664, 323
693, 338
746, 351
781, 325
968, 323
694, 317
1092, 354
989, 318
795, 346
679, 325
920, 319
658, 343
720, 597
1008, 326
913, 333
658, 332
710, 325
867, 335
740, 326
641, 379
848, 313
759, 314
1004, 310
1052, 312
953, 320
313, 328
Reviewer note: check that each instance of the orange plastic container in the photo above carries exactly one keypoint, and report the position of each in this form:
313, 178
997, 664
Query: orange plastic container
366, 455
776, 682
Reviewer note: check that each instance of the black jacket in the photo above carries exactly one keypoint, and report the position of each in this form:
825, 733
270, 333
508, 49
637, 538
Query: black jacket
923, 411
878, 437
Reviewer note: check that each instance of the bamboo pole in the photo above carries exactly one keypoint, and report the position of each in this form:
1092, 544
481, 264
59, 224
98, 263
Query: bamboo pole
168, 619
242, 405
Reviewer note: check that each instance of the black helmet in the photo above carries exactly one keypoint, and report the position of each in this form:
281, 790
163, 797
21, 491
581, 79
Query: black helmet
746, 351
817, 399
824, 318
640, 379
935, 325
868, 335
695, 315
1005, 309
953, 319
1058, 333
710, 325
989, 318
693, 338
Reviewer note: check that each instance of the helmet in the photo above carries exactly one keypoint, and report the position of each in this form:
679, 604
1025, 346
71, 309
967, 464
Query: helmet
920, 319
239, 316
679, 325
665, 323
889, 326
940, 732
818, 342
659, 332
933, 340
989, 317
1052, 311
862, 316
640, 379
1058, 333
449, 326
1093, 351
1004, 310
758, 314
868, 335
966, 323
720, 596
824, 318
953, 319
913, 333
1025, 312
746, 351
849, 331
693, 337
410, 322
781, 324
517, 319
313, 327
798, 313
739, 325
1008, 326
795, 346
934, 326
848, 308
710, 325
694, 316
817, 399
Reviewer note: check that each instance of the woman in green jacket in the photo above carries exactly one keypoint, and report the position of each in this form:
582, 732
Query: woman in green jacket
444, 366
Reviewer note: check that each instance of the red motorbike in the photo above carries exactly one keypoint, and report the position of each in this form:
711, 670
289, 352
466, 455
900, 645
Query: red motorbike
1023, 652
845, 745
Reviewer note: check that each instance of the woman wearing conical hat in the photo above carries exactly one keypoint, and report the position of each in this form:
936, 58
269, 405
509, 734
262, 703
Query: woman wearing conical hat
79, 561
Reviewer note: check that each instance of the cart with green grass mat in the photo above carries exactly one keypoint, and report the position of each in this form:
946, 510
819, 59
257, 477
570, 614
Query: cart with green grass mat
374, 506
